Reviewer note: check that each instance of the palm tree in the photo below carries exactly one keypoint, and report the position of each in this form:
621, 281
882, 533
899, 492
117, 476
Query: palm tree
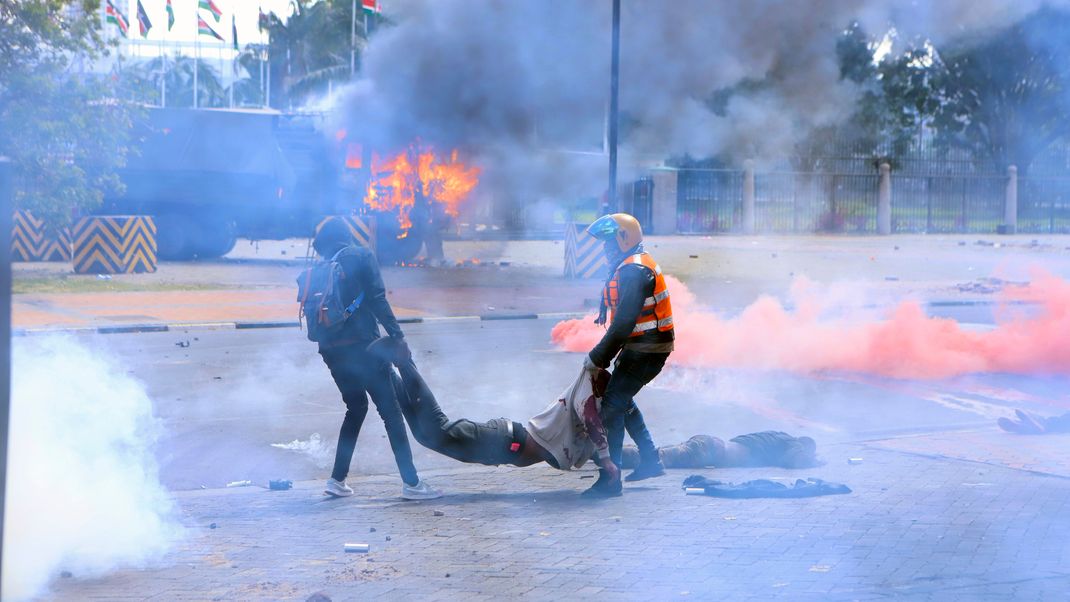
177, 76
311, 49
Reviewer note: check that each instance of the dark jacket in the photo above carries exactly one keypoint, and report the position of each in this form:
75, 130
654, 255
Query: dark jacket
361, 275
636, 284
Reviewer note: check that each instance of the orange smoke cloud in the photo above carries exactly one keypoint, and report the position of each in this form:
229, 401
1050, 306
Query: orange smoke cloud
904, 343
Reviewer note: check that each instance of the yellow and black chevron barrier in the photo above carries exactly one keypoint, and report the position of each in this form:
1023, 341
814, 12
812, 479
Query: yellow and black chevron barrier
32, 241
114, 244
584, 257
361, 229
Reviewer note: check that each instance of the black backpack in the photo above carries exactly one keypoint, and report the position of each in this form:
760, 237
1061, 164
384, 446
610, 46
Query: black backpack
319, 292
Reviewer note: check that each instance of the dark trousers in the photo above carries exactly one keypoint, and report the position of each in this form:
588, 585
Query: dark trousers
631, 372
358, 374
464, 440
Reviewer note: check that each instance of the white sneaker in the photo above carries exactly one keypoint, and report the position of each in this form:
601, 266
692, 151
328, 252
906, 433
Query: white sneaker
420, 491
337, 488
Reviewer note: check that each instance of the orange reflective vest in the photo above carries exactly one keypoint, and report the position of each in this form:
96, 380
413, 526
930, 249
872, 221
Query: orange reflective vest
655, 319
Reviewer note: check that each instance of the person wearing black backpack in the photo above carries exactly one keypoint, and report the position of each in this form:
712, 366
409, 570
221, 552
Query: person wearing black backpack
342, 344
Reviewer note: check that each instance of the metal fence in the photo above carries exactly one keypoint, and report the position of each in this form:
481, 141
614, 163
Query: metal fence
1044, 204
711, 200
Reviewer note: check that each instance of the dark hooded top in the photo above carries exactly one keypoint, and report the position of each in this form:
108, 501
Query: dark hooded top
361, 275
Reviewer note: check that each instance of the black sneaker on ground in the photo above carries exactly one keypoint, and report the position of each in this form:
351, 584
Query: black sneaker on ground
647, 470
604, 487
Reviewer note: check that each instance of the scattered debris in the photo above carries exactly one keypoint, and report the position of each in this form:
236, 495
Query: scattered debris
183, 344
282, 485
357, 548
239, 483
439, 513
987, 286
854, 460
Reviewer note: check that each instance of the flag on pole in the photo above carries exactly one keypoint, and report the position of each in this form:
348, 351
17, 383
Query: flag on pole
206, 30
210, 6
170, 15
116, 16
262, 21
371, 6
233, 31
143, 22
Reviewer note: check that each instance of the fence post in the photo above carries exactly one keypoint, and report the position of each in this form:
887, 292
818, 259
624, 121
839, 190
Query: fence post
663, 210
1010, 203
884, 200
748, 196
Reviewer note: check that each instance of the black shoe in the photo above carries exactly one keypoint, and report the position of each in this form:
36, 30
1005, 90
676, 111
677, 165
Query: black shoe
645, 470
604, 488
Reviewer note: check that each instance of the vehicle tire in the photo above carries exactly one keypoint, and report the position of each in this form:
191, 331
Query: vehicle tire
173, 237
214, 238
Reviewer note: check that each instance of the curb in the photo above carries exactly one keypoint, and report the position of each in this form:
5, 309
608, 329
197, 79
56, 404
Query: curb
138, 328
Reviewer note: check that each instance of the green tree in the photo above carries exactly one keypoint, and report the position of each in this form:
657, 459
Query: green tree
66, 132
312, 48
1005, 96
177, 76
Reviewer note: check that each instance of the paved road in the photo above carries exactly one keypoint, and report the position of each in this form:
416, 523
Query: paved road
944, 506
230, 394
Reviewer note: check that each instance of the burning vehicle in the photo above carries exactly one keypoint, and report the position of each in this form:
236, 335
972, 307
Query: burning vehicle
209, 176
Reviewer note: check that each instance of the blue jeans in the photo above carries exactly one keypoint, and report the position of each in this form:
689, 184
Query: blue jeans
631, 372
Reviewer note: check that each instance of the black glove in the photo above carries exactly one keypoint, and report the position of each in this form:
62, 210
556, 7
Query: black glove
402, 353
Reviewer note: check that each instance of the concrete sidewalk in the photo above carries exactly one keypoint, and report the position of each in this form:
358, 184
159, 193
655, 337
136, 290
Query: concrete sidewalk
255, 283
928, 527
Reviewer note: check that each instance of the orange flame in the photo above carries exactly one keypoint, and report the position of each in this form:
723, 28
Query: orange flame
396, 180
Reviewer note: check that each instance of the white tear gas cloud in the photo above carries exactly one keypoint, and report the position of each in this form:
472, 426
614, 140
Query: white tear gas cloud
508, 80
83, 493
315, 448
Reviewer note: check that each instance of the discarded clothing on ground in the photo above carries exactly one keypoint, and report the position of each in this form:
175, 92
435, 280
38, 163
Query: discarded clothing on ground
765, 488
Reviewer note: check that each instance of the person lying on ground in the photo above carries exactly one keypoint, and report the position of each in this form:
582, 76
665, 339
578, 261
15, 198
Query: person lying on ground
502, 441
1031, 424
767, 448
565, 435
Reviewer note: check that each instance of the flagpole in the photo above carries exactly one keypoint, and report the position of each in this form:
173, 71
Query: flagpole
163, 74
196, 66
353, 40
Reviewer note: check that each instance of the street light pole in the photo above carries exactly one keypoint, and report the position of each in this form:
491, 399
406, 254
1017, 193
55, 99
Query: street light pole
6, 209
614, 84
353, 40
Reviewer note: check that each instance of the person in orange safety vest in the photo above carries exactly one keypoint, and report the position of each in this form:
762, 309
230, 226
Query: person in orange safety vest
638, 340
